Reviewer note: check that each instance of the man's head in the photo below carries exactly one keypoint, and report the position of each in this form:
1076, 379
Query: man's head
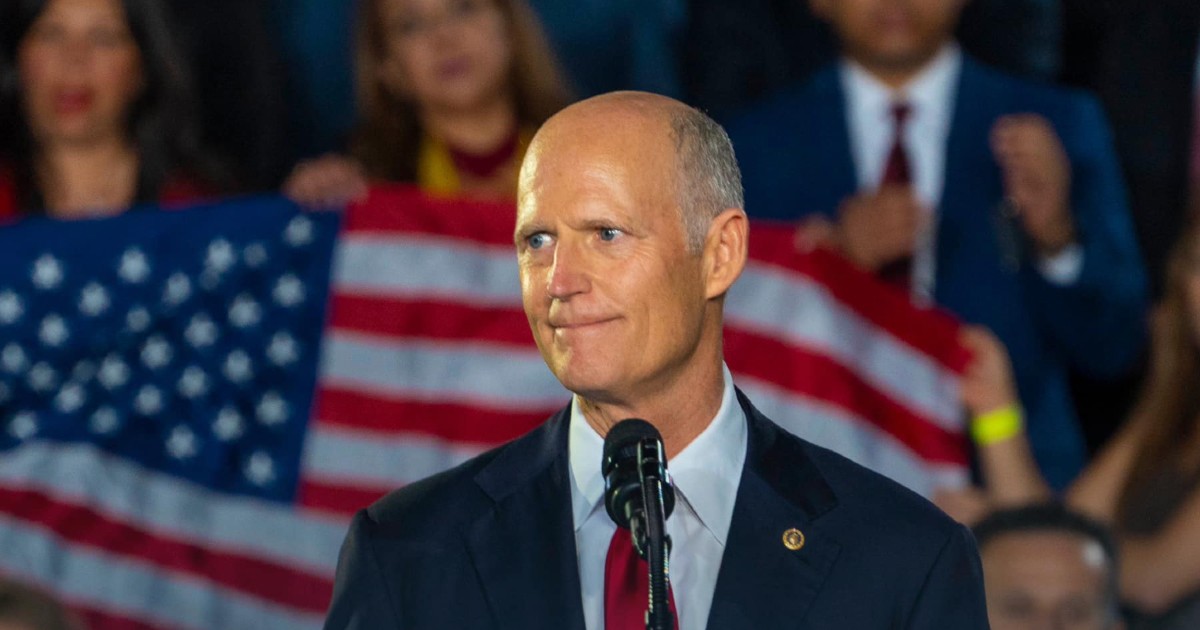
1048, 568
893, 36
629, 233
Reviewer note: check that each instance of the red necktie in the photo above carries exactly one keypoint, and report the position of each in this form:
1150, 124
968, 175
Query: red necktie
898, 172
627, 586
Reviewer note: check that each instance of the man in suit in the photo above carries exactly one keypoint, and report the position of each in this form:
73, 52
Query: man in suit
995, 197
629, 234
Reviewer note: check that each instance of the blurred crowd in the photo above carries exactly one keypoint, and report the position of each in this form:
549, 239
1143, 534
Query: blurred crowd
1026, 164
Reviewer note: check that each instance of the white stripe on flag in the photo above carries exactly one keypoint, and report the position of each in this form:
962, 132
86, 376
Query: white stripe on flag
122, 586
85, 475
801, 311
443, 371
406, 265
363, 459
853, 438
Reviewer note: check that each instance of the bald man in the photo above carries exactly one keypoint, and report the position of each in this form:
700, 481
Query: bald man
629, 233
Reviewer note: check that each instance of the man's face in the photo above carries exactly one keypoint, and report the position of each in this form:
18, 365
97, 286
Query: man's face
615, 300
1047, 581
892, 34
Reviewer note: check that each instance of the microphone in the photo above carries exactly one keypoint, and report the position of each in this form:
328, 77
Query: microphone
638, 496
633, 450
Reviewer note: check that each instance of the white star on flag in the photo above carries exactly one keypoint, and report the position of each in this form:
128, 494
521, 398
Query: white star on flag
93, 300
181, 444
229, 424
134, 267
13, 358
11, 307
47, 272
53, 331
113, 372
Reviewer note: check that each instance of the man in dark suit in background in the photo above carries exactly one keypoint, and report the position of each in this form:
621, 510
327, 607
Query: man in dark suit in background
629, 234
998, 198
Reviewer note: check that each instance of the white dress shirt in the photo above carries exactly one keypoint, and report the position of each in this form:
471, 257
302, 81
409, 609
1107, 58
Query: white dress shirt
705, 476
931, 95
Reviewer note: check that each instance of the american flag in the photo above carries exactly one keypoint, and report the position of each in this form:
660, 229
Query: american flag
192, 403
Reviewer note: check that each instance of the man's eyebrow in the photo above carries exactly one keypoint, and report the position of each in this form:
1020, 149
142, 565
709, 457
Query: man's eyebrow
526, 230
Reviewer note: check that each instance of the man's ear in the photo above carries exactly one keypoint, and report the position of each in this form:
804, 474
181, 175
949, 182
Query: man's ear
725, 251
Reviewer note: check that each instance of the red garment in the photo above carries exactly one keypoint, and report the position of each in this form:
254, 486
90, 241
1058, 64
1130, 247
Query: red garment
627, 586
179, 190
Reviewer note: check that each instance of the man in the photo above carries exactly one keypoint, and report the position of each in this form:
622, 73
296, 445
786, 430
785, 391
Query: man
1047, 567
994, 197
629, 234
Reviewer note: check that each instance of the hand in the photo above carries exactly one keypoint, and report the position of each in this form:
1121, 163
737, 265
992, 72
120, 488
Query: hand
330, 180
988, 383
1037, 179
815, 232
877, 228
966, 505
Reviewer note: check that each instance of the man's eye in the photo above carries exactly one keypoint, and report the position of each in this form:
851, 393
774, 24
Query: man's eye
539, 240
609, 234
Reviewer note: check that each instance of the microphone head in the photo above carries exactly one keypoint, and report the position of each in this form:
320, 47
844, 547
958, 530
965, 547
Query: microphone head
620, 467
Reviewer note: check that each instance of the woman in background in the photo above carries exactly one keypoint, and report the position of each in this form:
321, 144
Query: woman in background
100, 108
450, 93
1145, 484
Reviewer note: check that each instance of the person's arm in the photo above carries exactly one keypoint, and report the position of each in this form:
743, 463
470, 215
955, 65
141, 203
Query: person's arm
361, 599
1094, 312
1160, 570
1096, 490
952, 594
325, 182
997, 424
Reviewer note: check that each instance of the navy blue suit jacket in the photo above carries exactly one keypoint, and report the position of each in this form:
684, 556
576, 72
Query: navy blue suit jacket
491, 544
795, 155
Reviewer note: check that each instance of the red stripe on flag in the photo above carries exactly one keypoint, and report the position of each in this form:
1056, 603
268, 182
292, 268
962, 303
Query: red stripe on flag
932, 331
405, 209
461, 424
84, 526
96, 619
430, 319
337, 499
817, 376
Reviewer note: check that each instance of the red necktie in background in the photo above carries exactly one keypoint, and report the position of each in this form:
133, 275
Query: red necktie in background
627, 586
898, 172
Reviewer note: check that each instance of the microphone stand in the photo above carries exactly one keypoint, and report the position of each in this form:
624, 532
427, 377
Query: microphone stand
650, 536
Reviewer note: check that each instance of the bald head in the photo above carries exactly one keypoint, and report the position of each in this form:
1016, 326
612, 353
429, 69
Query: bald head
680, 150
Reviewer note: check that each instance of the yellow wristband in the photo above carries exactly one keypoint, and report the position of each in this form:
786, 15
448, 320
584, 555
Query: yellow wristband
997, 426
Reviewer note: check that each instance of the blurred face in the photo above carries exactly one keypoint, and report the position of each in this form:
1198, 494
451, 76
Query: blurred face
896, 35
615, 300
1046, 581
447, 55
80, 72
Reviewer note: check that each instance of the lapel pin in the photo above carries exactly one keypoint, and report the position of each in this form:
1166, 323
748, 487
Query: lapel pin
793, 539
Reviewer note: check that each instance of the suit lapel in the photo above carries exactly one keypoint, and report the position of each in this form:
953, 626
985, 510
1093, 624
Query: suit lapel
762, 583
524, 549
829, 153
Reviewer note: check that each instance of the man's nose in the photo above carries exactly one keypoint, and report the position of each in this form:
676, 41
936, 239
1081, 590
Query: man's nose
568, 273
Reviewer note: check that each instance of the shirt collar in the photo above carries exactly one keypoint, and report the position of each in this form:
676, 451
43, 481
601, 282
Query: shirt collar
930, 92
705, 474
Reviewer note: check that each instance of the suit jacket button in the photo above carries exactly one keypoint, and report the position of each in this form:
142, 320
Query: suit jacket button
793, 539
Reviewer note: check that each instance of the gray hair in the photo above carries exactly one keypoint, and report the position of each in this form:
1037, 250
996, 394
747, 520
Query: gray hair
709, 179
